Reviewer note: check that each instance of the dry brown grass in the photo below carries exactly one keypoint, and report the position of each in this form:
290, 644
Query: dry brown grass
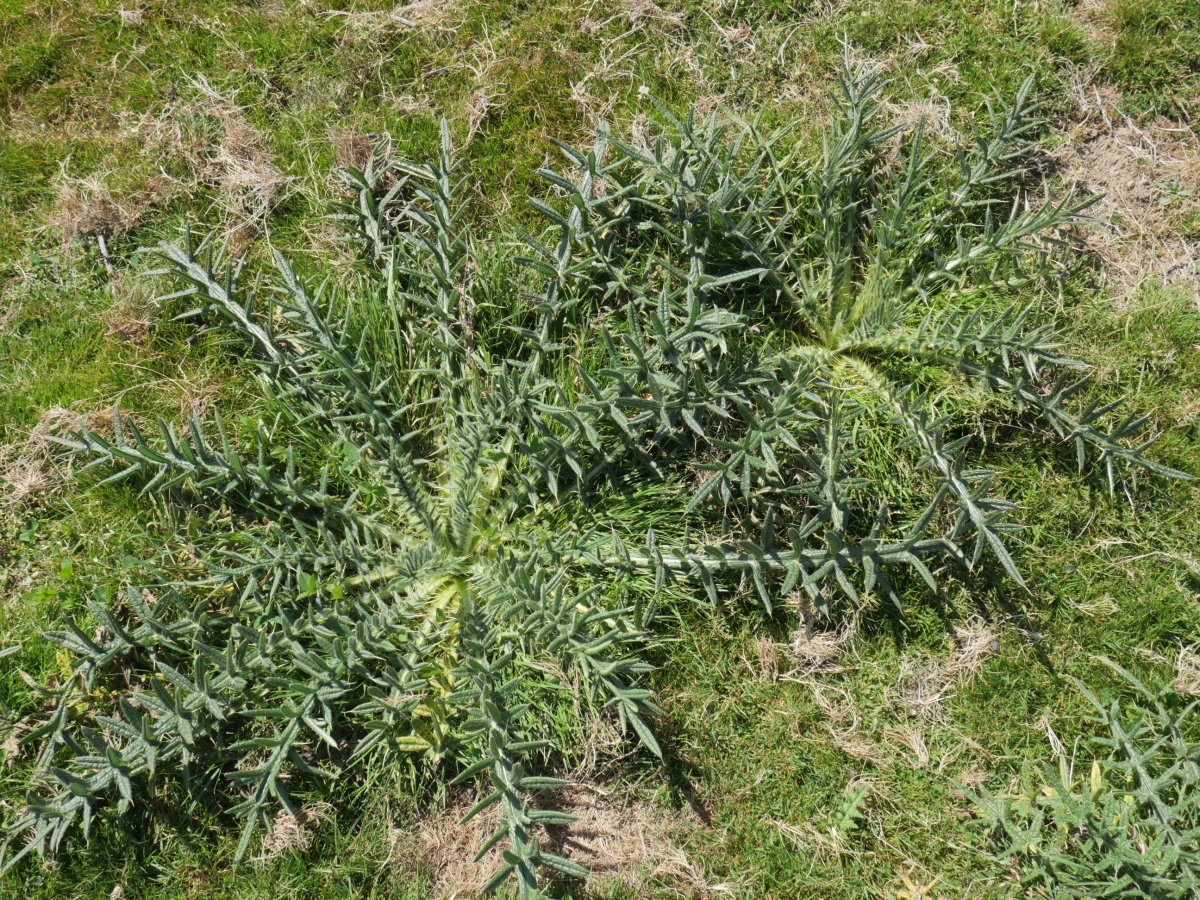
478, 105
131, 17
29, 467
212, 135
244, 170
1187, 671
913, 737
815, 656
916, 697
604, 743
923, 684
352, 148
128, 326
1142, 173
208, 136
290, 832
974, 642
132, 311
196, 395
424, 13
617, 840
845, 722
814, 651
369, 26
766, 660
641, 12
932, 113
87, 207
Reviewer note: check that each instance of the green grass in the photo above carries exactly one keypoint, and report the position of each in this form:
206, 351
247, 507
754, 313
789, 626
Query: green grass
1155, 58
1113, 576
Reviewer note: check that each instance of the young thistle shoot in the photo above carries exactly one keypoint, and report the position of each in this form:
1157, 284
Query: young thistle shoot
1127, 825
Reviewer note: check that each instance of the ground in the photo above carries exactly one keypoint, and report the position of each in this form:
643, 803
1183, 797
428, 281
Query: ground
839, 763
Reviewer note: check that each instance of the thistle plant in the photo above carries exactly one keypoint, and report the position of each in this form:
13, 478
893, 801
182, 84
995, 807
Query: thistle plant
1128, 824
381, 574
396, 563
813, 330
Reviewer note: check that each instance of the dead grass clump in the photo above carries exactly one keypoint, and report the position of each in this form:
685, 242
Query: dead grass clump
974, 643
839, 708
1056, 744
478, 105
737, 38
290, 832
25, 476
368, 26
639, 12
131, 313
245, 171
210, 136
914, 740
86, 207
132, 17
352, 148
642, 137
921, 686
1187, 671
707, 104
128, 327
817, 652
1148, 180
28, 467
604, 743
932, 114
767, 659
196, 395
424, 13
240, 165
617, 841
972, 778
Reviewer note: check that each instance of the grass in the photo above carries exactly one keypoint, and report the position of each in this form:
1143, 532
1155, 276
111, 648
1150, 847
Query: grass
1154, 61
759, 766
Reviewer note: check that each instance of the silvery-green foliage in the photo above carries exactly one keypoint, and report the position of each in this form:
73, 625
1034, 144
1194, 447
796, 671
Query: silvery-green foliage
811, 327
376, 582
1122, 817
382, 569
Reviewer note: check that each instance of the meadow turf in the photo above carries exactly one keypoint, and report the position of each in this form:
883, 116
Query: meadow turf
789, 772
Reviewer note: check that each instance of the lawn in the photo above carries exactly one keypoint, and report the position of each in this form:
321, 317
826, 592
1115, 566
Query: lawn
841, 759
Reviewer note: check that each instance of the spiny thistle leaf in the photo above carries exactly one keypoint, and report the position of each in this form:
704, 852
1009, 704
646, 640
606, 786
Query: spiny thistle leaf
396, 558
753, 297
389, 600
